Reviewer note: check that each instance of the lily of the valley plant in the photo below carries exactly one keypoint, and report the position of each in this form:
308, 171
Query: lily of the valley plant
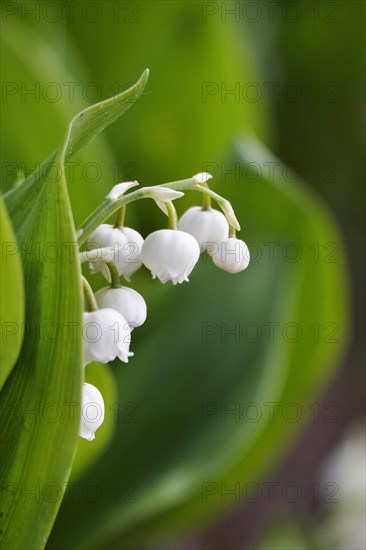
170, 254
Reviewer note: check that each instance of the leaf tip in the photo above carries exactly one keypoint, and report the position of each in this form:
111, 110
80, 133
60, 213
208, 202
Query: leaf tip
144, 78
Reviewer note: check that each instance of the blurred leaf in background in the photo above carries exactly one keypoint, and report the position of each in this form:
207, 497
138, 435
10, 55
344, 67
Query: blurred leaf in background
320, 132
174, 128
12, 296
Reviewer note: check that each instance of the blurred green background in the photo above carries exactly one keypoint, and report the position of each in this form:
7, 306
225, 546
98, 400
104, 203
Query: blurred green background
234, 86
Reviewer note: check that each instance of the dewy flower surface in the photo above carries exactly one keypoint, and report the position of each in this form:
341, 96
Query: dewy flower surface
207, 226
129, 303
170, 255
106, 335
232, 255
127, 244
92, 411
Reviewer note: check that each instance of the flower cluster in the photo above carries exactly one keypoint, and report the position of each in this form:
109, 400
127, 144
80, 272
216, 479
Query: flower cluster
170, 254
211, 230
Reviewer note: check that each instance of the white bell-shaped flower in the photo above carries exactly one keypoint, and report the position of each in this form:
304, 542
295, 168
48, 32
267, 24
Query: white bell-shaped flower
231, 255
106, 335
129, 303
208, 227
127, 245
92, 411
170, 255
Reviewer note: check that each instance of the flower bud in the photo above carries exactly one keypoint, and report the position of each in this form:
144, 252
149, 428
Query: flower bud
129, 303
206, 226
92, 411
106, 335
127, 245
232, 255
170, 255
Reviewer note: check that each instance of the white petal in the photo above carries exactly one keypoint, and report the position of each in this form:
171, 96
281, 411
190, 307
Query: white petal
106, 335
170, 255
120, 189
202, 177
208, 227
126, 243
92, 411
162, 207
97, 254
161, 193
129, 303
232, 255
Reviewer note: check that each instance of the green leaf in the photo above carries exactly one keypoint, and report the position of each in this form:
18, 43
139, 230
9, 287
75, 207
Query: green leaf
93, 120
40, 402
82, 130
11, 296
207, 351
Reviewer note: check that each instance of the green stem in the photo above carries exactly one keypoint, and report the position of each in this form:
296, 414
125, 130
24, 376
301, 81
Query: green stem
172, 214
115, 282
90, 300
120, 220
206, 202
110, 206
232, 231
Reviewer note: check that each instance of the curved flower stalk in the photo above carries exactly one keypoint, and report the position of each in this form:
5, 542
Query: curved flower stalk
111, 205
